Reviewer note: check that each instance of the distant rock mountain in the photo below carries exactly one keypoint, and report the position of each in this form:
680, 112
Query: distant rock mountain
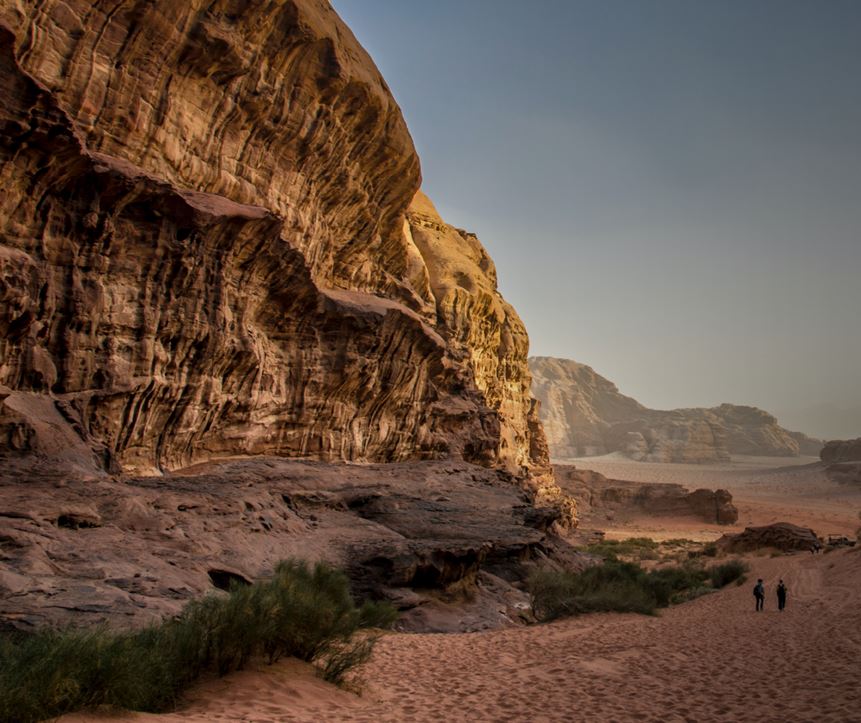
585, 414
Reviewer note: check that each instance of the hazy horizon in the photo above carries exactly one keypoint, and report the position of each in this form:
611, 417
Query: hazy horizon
670, 191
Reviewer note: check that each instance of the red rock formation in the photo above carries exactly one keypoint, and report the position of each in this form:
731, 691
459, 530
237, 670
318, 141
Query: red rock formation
596, 495
205, 252
780, 535
133, 552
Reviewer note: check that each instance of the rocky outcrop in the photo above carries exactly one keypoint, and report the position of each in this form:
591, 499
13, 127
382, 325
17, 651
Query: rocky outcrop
417, 533
597, 496
780, 536
584, 414
208, 249
841, 451
843, 460
484, 330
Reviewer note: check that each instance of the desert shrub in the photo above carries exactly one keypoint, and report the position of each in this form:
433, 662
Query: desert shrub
642, 548
624, 587
732, 571
614, 586
303, 611
669, 583
683, 596
710, 550
342, 658
678, 542
552, 593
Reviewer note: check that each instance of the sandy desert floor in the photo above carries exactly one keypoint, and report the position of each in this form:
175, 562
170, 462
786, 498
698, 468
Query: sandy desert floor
712, 659
764, 489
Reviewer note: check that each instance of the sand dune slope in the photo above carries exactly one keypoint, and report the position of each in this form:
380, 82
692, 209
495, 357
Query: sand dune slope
713, 659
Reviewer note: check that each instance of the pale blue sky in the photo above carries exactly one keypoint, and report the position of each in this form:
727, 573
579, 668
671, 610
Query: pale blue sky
671, 189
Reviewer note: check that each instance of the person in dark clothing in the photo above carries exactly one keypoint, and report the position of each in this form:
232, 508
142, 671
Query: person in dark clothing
781, 596
759, 594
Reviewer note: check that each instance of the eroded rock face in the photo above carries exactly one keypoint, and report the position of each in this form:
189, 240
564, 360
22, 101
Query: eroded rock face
485, 330
132, 552
206, 250
597, 495
584, 415
780, 535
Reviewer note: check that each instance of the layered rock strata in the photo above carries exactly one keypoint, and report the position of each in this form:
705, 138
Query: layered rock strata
421, 534
584, 415
780, 535
207, 249
598, 496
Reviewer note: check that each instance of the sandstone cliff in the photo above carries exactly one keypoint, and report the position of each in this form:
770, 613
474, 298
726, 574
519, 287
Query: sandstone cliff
207, 249
584, 414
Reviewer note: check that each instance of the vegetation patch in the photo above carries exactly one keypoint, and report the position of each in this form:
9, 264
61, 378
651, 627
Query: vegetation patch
305, 612
618, 586
732, 571
640, 548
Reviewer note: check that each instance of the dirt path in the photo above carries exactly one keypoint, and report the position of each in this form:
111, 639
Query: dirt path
713, 659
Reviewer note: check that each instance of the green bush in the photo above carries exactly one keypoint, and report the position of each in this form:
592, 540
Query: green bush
642, 548
624, 587
302, 611
614, 586
667, 583
723, 575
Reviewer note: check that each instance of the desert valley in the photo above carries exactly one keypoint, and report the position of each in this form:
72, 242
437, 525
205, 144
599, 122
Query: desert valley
272, 446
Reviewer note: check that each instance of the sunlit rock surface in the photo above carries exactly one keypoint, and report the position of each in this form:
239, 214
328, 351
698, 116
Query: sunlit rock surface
207, 249
214, 255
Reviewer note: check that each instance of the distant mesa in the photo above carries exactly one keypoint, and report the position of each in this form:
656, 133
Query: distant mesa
585, 415
842, 458
598, 496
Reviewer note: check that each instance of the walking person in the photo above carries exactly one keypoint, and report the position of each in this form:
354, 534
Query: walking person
759, 594
781, 596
